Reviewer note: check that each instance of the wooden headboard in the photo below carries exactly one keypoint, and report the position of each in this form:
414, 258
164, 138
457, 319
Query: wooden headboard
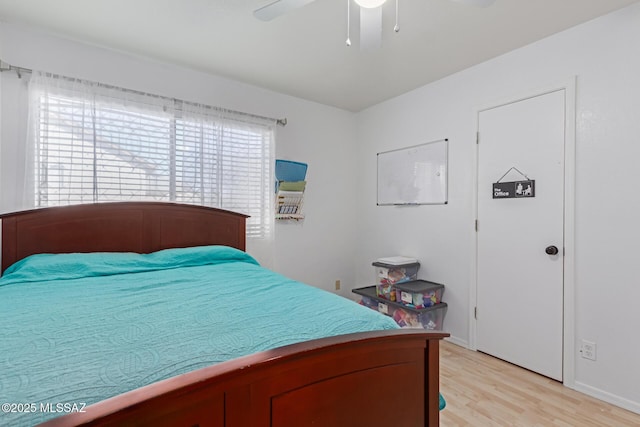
141, 227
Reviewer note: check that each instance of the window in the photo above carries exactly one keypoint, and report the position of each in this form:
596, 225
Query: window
96, 143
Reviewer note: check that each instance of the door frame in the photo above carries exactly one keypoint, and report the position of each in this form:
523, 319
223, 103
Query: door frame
568, 347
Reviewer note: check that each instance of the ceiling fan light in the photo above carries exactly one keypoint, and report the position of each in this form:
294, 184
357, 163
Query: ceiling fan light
370, 4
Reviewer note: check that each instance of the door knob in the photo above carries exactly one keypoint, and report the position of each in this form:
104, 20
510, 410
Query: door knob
551, 250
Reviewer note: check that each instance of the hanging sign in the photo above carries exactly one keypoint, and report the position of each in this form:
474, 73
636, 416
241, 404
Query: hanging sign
514, 189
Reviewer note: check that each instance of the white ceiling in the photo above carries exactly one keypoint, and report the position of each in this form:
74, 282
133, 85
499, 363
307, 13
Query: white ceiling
303, 53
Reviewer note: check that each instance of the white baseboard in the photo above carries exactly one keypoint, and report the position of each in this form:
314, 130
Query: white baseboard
607, 397
458, 341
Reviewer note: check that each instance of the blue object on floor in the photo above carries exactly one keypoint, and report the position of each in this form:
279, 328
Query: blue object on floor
442, 403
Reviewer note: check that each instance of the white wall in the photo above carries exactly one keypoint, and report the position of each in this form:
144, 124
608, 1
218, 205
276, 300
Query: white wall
603, 54
319, 249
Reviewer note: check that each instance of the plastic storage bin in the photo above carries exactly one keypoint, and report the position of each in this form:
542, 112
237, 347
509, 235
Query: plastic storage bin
387, 275
431, 318
419, 293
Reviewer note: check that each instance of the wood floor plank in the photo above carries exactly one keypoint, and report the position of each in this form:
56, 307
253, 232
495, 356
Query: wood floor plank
481, 390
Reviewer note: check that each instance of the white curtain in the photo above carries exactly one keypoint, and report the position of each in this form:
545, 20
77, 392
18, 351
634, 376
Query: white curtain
230, 159
90, 142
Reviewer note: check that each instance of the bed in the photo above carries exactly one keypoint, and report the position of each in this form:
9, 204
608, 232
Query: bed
143, 319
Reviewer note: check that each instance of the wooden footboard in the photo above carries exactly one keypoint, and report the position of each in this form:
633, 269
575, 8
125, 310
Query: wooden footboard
385, 378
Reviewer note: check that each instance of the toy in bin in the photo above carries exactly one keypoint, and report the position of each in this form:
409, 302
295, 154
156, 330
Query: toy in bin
406, 319
391, 271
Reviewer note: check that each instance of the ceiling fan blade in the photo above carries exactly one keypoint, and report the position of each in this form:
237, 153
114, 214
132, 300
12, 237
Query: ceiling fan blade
278, 8
479, 3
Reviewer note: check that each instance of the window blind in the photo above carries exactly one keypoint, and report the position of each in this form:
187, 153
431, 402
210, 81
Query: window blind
96, 145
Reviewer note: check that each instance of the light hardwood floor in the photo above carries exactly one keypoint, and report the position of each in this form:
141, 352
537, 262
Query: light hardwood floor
481, 390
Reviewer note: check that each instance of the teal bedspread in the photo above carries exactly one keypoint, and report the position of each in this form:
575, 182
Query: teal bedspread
79, 328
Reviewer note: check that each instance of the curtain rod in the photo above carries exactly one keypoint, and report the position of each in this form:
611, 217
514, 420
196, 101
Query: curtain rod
19, 70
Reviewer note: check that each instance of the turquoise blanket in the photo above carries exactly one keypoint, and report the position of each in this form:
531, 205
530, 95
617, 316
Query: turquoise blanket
79, 328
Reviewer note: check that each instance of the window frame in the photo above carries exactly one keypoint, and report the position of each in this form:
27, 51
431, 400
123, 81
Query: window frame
260, 208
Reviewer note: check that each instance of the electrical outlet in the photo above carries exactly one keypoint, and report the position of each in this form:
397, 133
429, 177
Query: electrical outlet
588, 350
337, 285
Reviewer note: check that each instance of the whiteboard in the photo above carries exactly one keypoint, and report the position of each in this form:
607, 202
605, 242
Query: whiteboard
414, 175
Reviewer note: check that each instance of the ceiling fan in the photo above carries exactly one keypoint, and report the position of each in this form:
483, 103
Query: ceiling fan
370, 16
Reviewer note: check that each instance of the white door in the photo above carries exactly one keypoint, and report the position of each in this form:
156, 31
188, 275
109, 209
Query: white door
519, 285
